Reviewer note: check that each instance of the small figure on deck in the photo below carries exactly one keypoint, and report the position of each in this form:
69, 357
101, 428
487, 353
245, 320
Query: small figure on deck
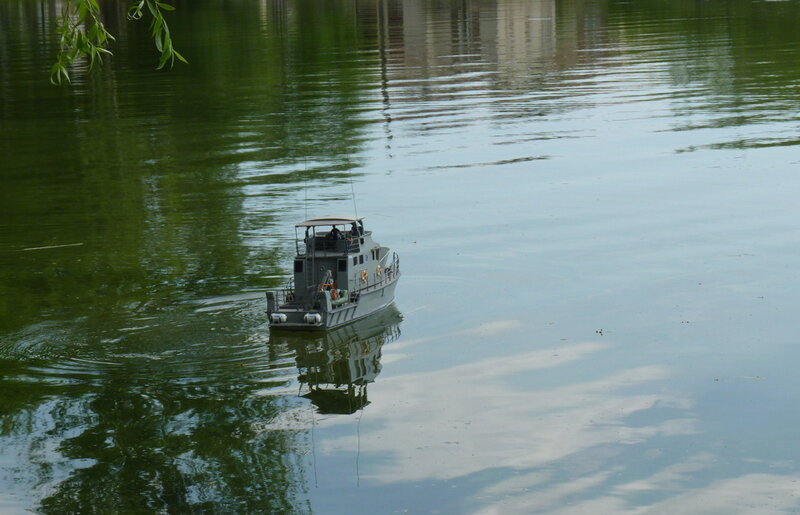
335, 233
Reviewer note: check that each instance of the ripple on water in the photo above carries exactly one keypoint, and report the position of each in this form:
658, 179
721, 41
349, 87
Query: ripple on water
218, 340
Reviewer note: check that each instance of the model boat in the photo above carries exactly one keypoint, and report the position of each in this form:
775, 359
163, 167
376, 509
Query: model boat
340, 275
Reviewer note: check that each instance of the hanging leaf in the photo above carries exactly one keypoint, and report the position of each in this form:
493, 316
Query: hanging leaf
82, 34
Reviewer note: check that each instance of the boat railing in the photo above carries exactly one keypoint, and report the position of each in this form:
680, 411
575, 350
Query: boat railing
285, 296
381, 276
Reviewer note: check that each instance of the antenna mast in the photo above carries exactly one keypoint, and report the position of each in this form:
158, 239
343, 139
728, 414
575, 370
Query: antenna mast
353, 192
305, 184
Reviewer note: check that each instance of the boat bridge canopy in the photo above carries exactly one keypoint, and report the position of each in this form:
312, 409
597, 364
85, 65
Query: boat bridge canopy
329, 220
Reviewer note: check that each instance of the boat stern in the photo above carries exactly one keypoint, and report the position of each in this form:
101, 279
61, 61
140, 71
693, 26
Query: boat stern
285, 315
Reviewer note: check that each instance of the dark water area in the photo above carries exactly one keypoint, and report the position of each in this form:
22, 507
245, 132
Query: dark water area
595, 208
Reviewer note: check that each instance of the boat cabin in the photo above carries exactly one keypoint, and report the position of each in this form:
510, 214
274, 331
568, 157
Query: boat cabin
335, 253
340, 275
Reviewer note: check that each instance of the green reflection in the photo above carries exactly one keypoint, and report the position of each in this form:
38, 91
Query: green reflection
175, 446
134, 203
147, 174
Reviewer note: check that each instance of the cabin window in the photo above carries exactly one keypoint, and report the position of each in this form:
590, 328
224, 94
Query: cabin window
355, 260
298, 266
361, 259
343, 265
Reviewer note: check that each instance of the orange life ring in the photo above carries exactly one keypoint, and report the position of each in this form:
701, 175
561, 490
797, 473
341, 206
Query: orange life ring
379, 270
363, 276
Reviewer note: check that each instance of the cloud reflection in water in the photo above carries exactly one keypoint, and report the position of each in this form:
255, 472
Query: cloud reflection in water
552, 449
465, 419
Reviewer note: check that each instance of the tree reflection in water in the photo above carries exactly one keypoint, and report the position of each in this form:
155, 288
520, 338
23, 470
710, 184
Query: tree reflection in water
149, 432
200, 428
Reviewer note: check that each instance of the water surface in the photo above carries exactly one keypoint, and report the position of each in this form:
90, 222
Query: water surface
594, 203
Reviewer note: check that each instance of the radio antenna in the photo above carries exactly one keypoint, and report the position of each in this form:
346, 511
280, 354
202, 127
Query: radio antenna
353, 192
305, 184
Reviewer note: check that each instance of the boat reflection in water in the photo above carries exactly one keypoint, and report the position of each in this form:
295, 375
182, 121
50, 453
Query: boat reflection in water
335, 367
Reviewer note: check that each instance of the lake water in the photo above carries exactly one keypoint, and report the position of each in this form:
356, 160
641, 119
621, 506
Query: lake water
595, 204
